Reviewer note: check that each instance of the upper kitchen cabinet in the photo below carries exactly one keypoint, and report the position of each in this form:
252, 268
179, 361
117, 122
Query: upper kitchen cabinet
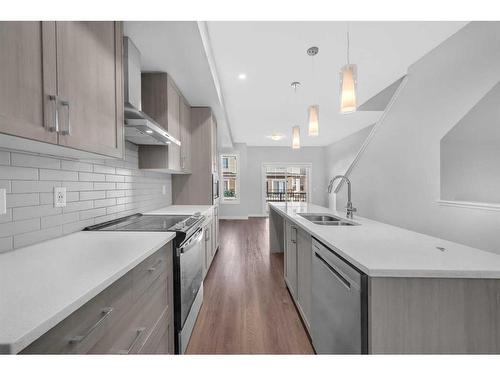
28, 80
199, 186
164, 103
62, 84
89, 79
185, 125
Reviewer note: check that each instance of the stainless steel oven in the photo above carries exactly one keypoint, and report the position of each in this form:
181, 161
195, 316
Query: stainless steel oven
190, 259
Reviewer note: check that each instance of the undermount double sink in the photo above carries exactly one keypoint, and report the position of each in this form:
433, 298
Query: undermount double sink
327, 219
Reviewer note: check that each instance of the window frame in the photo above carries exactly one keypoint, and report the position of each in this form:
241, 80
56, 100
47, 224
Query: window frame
223, 199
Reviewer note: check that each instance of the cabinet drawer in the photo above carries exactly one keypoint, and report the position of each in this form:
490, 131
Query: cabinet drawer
81, 330
129, 334
149, 270
158, 342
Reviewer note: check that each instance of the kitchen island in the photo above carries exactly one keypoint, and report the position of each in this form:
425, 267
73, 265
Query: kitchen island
422, 294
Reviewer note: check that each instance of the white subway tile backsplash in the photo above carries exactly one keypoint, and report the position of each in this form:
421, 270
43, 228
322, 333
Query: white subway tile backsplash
34, 186
104, 202
84, 176
97, 191
91, 195
35, 161
22, 226
4, 157
115, 178
21, 200
33, 237
115, 193
76, 166
21, 213
6, 244
18, 173
104, 186
78, 186
57, 220
58, 175
103, 169
78, 206
88, 214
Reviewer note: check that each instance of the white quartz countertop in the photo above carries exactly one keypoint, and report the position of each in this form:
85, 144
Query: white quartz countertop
42, 284
382, 250
179, 210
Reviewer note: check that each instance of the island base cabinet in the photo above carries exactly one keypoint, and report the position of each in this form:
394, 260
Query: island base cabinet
291, 258
434, 316
132, 316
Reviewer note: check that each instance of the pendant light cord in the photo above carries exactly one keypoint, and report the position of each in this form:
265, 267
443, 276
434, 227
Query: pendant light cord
348, 43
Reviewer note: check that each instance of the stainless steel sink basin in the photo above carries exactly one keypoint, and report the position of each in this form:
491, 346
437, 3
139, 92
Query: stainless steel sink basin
326, 219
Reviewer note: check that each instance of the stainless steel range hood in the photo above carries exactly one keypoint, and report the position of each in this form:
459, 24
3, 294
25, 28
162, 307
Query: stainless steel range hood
139, 127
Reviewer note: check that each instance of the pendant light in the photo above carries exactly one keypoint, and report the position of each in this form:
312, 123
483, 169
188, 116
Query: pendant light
296, 137
295, 129
313, 110
348, 77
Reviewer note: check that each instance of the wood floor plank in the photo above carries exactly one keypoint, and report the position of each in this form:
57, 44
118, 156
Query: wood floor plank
247, 308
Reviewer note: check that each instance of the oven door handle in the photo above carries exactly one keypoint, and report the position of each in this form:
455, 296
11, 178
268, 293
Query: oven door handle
191, 241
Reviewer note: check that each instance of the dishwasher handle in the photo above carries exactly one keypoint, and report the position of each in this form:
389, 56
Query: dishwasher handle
342, 278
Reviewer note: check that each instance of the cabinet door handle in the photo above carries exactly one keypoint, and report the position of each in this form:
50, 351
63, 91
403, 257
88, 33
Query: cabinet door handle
66, 131
105, 313
134, 342
153, 268
55, 126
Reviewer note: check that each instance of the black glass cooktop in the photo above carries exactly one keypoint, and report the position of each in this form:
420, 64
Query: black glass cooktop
143, 223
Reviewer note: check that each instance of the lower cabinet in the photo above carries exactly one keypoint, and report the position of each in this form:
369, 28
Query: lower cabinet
132, 316
208, 238
298, 268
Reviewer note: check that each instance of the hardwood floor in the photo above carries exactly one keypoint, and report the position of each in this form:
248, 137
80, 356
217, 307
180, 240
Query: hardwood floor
247, 308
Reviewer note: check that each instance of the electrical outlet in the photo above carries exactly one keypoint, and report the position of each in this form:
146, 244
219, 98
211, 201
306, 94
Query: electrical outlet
60, 197
164, 190
3, 201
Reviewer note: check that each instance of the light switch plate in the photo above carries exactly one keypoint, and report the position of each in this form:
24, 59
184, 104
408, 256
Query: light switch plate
3, 201
59, 197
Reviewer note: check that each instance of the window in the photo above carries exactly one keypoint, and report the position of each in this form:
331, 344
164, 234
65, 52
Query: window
230, 179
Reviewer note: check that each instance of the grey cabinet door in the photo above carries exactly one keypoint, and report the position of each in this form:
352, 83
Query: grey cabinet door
185, 130
89, 82
304, 274
291, 257
173, 115
28, 80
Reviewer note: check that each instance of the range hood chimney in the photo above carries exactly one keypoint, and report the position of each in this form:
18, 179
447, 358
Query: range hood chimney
139, 127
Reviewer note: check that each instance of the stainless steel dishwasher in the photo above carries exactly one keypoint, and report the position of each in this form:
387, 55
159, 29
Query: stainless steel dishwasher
339, 304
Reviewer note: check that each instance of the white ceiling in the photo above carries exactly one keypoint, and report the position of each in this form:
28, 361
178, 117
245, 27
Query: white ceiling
176, 47
273, 54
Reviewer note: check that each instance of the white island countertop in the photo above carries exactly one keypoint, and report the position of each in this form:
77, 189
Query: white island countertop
42, 284
180, 210
382, 250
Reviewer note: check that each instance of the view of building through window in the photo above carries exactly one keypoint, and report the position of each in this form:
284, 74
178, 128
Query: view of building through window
230, 177
286, 184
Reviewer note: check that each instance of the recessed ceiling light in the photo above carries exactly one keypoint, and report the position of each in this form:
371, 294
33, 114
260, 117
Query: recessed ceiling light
275, 136
242, 76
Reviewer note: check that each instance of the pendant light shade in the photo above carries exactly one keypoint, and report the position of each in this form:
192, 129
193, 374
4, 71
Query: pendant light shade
296, 137
313, 120
348, 77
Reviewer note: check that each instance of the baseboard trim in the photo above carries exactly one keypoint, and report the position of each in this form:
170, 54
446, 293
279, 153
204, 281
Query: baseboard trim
473, 205
233, 218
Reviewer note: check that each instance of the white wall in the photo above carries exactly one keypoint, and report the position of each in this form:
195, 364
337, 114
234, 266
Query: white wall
251, 160
470, 154
340, 155
397, 179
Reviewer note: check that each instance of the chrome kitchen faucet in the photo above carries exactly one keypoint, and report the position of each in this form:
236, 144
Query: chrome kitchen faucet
350, 208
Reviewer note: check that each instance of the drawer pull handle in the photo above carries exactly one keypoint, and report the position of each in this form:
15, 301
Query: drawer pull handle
138, 335
105, 313
153, 268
